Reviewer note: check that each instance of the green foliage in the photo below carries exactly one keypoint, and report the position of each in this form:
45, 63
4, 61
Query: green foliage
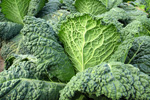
54, 19
139, 54
20, 66
15, 10
14, 46
19, 83
2, 17
114, 80
69, 5
121, 52
9, 29
106, 41
134, 51
143, 4
116, 16
128, 0
51, 6
111, 3
29, 89
147, 6
87, 41
129, 21
95, 7
90, 6
7, 49
40, 39
35, 6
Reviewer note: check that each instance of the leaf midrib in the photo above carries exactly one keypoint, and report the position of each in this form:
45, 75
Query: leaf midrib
18, 11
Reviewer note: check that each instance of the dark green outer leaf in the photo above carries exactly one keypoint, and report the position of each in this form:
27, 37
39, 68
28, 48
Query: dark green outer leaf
7, 49
9, 29
114, 80
41, 40
51, 6
20, 82
13, 46
129, 21
29, 89
35, 6
116, 16
2, 18
69, 4
121, 52
139, 54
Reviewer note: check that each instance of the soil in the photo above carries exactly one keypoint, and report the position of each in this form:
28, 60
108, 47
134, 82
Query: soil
1, 64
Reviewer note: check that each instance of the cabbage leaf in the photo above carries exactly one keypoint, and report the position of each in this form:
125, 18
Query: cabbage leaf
87, 41
42, 42
19, 83
35, 6
15, 10
9, 29
139, 54
110, 81
95, 7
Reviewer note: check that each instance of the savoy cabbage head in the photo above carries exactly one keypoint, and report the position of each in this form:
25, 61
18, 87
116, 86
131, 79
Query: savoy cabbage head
45, 41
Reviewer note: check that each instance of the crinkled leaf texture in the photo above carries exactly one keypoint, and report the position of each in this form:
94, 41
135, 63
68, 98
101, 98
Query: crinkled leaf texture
35, 6
111, 3
2, 18
121, 52
95, 7
20, 66
87, 41
15, 10
13, 46
55, 18
29, 89
8, 49
42, 42
117, 16
114, 80
147, 6
51, 6
69, 5
129, 21
145, 3
139, 54
9, 29
19, 83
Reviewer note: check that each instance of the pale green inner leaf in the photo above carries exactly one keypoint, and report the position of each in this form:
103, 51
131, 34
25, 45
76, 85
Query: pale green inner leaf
87, 41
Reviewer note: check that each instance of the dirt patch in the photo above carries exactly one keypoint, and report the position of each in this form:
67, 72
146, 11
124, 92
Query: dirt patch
1, 64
